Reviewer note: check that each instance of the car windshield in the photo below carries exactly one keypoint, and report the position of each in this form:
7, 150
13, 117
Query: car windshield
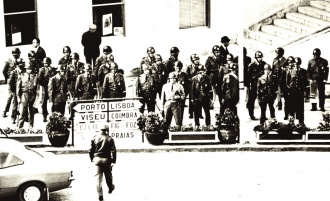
31, 150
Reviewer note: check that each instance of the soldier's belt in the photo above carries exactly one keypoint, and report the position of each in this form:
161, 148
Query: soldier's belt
29, 91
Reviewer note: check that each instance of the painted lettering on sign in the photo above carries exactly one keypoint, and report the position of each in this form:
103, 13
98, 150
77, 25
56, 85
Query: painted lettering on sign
122, 134
122, 124
127, 105
123, 115
90, 107
88, 117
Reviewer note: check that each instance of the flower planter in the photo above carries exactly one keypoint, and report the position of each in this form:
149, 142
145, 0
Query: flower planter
228, 136
274, 137
59, 140
193, 137
155, 138
27, 139
318, 136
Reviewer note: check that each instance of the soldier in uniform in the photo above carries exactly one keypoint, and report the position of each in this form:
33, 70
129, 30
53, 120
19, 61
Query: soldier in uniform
267, 88
58, 90
255, 70
146, 89
26, 95
229, 93
213, 64
171, 99
192, 70
169, 64
104, 58
296, 83
246, 62
114, 83
162, 73
182, 78
10, 65
318, 72
224, 49
45, 73
36, 64
15, 75
74, 69
279, 64
149, 59
284, 88
66, 59
200, 96
85, 87
103, 71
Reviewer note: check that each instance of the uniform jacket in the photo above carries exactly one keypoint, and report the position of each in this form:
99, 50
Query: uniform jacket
279, 64
36, 65
103, 146
229, 88
57, 89
65, 61
168, 92
85, 86
267, 87
10, 65
98, 63
146, 86
169, 64
25, 84
295, 81
212, 64
91, 43
13, 79
223, 55
192, 70
255, 70
114, 86
148, 60
318, 69
200, 88
162, 72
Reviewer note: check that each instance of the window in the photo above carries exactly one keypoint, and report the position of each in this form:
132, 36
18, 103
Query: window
194, 13
20, 21
9, 160
108, 16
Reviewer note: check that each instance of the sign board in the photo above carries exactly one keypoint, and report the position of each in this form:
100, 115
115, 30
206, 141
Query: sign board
120, 115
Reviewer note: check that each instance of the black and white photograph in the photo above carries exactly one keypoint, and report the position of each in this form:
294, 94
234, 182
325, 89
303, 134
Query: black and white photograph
164, 100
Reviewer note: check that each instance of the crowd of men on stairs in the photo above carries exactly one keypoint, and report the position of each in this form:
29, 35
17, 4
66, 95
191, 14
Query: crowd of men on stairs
285, 78
52, 88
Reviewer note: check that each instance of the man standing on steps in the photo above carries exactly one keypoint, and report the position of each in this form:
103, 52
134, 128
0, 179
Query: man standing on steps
318, 72
91, 41
103, 155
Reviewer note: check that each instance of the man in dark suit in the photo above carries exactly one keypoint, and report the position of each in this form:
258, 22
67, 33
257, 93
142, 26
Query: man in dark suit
40, 53
91, 41
296, 83
224, 49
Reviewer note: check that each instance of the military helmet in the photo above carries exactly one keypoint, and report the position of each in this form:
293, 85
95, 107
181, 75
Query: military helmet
16, 51
297, 60
174, 50
113, 65
229, 57
216, 48
66, 49
158, 57
47, 60
317, 52
20, 62
258, 54
107, 49
75, 55
112, 58
151, 50
29, 66
194, 57
267, 66
172, 75
104, 126
279, 51
88, 67
178, 64
290, 59
61, 68
31, 53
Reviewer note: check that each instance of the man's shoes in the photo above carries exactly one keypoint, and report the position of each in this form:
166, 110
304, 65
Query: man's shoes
191, 116
45, 119
285, 118
201, 117
322, 109
101, 198
4, 114
253, 118
110, 190
14, 121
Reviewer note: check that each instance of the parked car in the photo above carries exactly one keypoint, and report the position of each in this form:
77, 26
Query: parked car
28, 174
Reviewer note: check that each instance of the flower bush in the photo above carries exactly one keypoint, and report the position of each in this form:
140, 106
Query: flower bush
281, 128
228, 120
191, 128
152, 123
9, 131
57, 124
324, 125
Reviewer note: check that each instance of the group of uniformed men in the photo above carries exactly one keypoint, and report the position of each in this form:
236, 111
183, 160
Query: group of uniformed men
201, 83
285, 78
36, 81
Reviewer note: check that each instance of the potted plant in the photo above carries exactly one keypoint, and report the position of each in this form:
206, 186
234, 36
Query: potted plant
322, 132
57, 129
153, 127
227, 126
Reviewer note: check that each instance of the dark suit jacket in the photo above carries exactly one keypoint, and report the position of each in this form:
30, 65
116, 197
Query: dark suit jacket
223, 55
40, 54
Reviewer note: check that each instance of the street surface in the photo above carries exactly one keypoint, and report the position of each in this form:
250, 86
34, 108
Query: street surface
207, 176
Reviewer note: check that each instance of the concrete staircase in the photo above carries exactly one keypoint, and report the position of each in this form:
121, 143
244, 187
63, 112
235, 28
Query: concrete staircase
288, 26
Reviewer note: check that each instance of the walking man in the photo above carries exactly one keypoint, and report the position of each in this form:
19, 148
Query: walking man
103, 155
58, 91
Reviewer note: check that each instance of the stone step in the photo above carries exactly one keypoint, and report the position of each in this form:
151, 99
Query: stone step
315, 12
266, 38
323, 5
278, 31
257, 45
305, 19
291, 25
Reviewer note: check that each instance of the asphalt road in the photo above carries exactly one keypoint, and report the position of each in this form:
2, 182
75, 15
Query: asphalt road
206, 176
